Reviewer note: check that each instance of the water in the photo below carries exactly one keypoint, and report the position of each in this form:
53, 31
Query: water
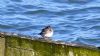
75, 21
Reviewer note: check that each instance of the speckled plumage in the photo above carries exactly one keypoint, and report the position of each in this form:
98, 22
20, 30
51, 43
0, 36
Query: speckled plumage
46, 32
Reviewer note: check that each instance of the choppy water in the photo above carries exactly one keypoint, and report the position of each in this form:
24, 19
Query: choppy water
72, 20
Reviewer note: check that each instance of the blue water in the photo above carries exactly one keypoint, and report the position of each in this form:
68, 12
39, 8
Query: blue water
76, 21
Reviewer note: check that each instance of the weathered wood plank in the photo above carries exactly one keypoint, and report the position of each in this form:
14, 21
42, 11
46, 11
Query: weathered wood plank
2, 46
17, 46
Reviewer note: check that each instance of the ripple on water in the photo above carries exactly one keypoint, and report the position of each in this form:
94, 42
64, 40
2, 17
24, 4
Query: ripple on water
72, 20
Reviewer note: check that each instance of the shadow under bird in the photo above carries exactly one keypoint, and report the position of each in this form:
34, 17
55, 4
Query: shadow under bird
46, 32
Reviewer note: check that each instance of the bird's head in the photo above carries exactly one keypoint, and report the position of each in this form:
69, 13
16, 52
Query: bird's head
48, 26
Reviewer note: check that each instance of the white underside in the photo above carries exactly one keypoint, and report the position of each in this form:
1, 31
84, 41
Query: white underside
49, 34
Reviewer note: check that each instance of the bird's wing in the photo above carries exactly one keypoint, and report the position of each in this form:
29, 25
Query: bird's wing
42, 32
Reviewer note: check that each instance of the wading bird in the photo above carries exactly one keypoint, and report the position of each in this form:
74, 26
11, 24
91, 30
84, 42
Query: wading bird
46, 32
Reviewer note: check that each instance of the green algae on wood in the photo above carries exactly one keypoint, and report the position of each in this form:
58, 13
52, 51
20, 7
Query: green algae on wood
17, 46
2, 46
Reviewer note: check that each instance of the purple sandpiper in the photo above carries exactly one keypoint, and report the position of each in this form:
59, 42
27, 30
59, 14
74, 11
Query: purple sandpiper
46, 32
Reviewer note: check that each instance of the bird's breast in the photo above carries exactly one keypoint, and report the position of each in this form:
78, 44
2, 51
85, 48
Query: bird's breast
49, 34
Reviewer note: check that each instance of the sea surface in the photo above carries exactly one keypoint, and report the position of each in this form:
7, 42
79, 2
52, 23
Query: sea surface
76, 21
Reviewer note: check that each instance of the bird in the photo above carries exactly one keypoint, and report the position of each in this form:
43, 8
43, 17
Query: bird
47, 32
